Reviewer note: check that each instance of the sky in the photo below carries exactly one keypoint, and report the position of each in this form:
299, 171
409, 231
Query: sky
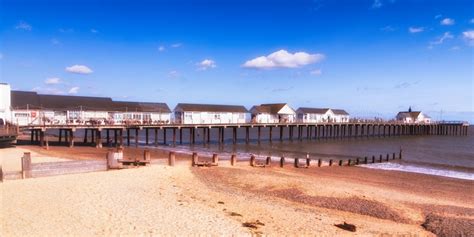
371, 58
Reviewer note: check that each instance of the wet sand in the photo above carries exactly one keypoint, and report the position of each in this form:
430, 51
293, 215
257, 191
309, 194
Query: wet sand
182, 200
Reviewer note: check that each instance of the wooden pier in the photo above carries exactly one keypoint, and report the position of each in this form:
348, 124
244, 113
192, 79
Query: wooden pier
172, 134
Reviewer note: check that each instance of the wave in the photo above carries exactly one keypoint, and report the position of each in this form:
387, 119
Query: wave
421, 170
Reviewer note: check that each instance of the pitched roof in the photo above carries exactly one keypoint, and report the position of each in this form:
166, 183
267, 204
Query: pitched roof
313, 110
339, 112
24, 100
406, 114
210, 108
124, 106
268, 108
33, 100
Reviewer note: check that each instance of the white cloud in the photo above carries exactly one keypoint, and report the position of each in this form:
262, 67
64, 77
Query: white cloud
94, 31
79, 69
73, 90
441, 39
173, 74
438, 16
416, 29
177, 45
23, 26
161, 48
206, 64
377, 4
469, 36
52, 81
316, 72
387, 29
447, 22
55, 41
283, 59
471, 21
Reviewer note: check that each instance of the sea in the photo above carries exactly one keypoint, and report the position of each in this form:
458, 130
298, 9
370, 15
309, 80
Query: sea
449, 156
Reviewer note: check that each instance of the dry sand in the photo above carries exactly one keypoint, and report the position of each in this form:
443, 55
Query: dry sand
181, 200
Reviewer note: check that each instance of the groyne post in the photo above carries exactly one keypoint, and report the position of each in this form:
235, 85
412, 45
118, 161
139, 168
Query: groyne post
1, 174
268, 162
373, 159
349, 162
319, 162
330, 162
171, 158
393, 156
357, 161
282, 162
146, 155
297, 161
400, 154
233, 159
26, 165
308, 162
195, 159
387, 158
365, 160
215, 159
340, 162
252, 160
380, 158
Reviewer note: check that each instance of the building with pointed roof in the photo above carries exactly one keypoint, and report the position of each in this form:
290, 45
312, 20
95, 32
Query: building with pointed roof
185, 113
273, 113
322, 115
413, 117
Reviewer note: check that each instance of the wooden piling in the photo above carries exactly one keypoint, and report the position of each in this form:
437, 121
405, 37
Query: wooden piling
400, 154
393, 156
195, 159
308, 162
388, 157
233, 159
319, 162
349, 162
282, 162
357, 161
215, 159
373, 159
146, 155
268, 162
26, 165
330, 162
171, 158
297, 162
380, 158
365, 160
1, 174
252, 160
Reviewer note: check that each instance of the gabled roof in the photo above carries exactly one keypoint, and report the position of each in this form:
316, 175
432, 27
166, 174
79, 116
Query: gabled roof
268, 108
339, 112
33, 100
185, 107
126, 106
406, 114
306, 110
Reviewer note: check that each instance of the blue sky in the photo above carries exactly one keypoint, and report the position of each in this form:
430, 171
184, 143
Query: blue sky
372, 58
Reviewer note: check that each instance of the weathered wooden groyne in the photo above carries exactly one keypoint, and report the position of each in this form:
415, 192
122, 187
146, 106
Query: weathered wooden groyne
173, 133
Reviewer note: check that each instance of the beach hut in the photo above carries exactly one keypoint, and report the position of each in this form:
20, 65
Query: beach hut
185, 113
125, 112
413, 117
322, 115
340, 116
273, 113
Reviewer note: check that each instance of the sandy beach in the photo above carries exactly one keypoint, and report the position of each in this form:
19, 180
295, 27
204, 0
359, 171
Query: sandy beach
230, 200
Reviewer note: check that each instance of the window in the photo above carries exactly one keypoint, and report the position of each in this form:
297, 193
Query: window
217, 116
22, 115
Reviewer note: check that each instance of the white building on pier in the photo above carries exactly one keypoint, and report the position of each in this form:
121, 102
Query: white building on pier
413, 117
273, 113
210, 114
322, 115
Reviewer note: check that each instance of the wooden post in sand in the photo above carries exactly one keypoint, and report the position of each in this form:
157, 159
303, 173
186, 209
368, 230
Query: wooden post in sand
195, 158
1, 174
400, 155
388, 157
268, 162
349, 162
146, 155
282, 162
380, 158
340, 162
330, 162
308, 162
233, 159
393, 156
365, 160
215, 159
357, 161
171, 158
26, 165
297, 162
373, 159
252, 160
319, 162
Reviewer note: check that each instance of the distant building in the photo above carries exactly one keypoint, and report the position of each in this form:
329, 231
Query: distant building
31, 108
322, 115
273, 113
4, 103
413, 117
209, 114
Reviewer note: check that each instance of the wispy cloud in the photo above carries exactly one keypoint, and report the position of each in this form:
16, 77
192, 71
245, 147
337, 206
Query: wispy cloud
438, 16
52, 81
377, 4
23, 26
55, 41
177, 45
174, 74
447, 22
388, 29
283, 89
283, 59
79, 69
404, 85
469, 36
416, 29
471, 21
94, 31
161, 48
441, 39
316, 72
73, 90
206, 64
66, 30
1, 56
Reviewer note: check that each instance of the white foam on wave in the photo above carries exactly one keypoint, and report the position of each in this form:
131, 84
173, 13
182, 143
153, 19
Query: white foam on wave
421, 170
